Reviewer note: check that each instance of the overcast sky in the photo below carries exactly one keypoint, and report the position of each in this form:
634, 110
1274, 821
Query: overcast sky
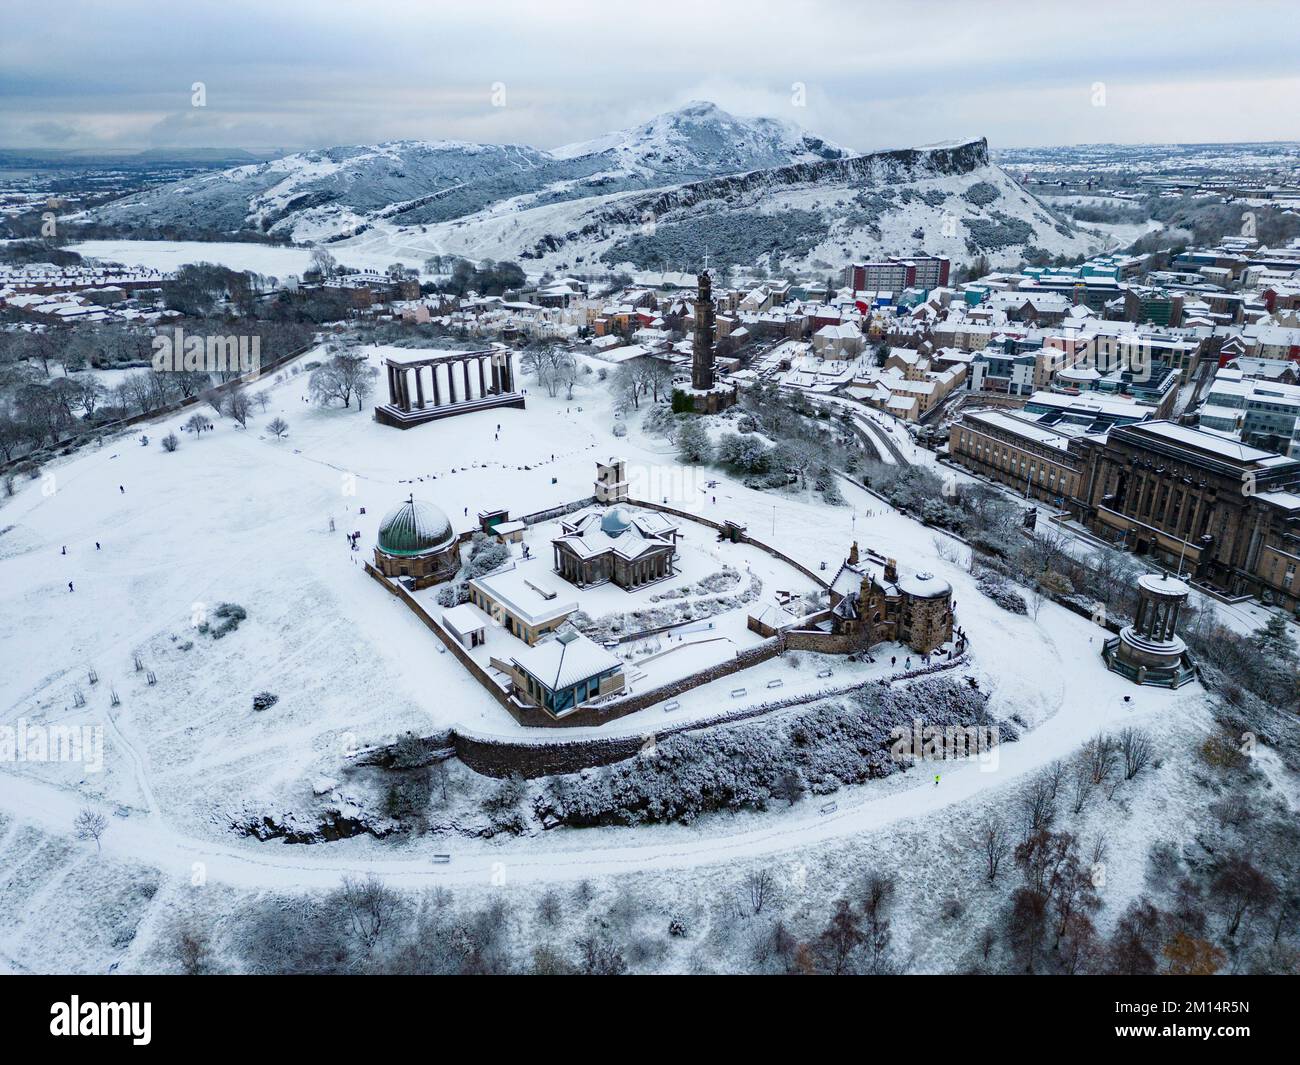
288, 74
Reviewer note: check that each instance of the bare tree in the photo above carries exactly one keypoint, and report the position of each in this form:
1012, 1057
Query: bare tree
369, 909
277, 427
346, 375
192, 382
549, 908
1137, 749
877, 898
626, 385
1100, 756
89, 393
659, 376
1239, 888
238, 406
1081, 785
1038, 805
1055, 775
170, 442
760, 885
90, 824
193, 951
996, 845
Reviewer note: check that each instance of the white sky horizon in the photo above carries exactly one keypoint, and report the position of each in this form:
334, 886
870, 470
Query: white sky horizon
298, 75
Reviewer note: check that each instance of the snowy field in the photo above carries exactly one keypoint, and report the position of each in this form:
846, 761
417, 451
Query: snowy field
238, 516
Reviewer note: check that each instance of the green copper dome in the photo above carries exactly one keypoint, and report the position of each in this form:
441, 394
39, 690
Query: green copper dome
414, 529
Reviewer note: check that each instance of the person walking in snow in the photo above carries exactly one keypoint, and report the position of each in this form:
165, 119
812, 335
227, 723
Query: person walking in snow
893, 660
936, 780
65, 549
70, 588
96, 545
122, 489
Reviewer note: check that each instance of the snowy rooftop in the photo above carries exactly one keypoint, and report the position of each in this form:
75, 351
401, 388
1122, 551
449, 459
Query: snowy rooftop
562, 661
530, 590
1232, 450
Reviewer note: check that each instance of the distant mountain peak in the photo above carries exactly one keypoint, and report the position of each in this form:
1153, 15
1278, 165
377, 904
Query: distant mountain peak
700, 139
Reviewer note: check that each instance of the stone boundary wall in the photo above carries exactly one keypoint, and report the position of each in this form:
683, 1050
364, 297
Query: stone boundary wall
828, 643
745, 538
563, 509
588, 716
502, 758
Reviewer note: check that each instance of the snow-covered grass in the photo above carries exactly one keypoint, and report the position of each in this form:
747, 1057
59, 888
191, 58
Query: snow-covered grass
238, 516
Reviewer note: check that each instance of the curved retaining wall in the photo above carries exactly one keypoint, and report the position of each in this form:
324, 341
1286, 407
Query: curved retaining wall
494, 757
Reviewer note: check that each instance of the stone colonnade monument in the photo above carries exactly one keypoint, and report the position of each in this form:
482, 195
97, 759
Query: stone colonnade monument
424, 385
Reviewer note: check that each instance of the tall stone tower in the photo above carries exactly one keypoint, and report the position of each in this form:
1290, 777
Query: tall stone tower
702, 348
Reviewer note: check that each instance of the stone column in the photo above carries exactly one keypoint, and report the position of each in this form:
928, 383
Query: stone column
496, 375
464, 367
451, 383
392, 383
482, 383
419, 386
437, 392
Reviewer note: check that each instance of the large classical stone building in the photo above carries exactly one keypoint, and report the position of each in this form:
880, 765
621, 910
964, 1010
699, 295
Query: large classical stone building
1033, 458
416, 541
629, 547
1226, 513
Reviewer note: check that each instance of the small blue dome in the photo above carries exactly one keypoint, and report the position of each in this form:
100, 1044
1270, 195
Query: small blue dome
615, 521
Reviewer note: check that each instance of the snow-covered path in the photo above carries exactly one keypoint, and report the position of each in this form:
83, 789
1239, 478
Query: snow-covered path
586, 853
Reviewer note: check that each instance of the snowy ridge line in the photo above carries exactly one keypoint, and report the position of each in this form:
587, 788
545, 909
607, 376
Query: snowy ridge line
875, 168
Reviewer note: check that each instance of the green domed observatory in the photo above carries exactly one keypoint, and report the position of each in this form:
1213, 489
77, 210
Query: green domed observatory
416, 541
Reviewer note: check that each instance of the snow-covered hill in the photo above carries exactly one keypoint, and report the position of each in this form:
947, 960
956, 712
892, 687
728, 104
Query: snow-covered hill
701, 140
657, 194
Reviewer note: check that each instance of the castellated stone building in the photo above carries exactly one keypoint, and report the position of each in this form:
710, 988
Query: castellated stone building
872, 602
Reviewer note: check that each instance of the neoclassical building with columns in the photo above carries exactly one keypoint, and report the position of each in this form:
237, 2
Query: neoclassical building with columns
425, 385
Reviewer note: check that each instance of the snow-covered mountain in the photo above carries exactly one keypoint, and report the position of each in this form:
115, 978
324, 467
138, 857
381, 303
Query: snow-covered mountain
701, 140
319, 194
653, 195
